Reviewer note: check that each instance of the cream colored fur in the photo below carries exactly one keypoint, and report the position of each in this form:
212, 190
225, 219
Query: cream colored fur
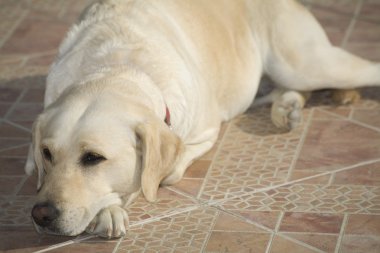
125, 61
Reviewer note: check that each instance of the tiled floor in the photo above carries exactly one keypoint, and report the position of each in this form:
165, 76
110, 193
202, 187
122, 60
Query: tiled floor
315, 189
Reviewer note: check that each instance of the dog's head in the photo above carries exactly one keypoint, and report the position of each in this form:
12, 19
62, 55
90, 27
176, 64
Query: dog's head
93, 147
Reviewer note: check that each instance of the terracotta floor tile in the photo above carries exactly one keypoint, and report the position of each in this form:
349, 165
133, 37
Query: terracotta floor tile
12, 166
369, 117
370, 11
324, 242
364, 40
266, 219
27, 37
198, 169
345, 7
29, 188
228, 223
8, 185
19, 152
356, 244
10, 131
25, 239
93, 247
237, 242
335, 25
281, 245
34, 95
190, 186
25, 112
9, 95
331, 145
307, 222
363, 175
4, 107
363, 224
6, 144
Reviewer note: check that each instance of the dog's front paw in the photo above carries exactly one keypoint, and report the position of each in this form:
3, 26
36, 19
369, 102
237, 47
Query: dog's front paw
287, 110
110, 222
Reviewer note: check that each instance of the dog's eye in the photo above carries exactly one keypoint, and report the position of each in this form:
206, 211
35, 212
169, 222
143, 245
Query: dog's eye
90, 159
47, 154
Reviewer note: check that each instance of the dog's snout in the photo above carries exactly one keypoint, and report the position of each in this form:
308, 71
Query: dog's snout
44, 213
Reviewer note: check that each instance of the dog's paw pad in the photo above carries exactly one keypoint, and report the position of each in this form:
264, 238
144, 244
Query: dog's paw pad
110, 222
287, 111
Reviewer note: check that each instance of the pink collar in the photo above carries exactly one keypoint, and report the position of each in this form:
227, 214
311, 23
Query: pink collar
167, 117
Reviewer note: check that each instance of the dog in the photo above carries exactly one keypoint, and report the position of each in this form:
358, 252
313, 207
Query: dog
139, 89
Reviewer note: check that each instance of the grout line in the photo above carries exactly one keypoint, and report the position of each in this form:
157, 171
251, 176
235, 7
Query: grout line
17, 126
63, 244
352, 24
341, 234
118, 244
300, 144
331, 179
269, 246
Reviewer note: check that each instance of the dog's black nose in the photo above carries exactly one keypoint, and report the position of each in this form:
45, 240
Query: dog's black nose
44, 213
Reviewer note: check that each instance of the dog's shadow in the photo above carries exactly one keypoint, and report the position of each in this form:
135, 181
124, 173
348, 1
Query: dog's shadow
257, 121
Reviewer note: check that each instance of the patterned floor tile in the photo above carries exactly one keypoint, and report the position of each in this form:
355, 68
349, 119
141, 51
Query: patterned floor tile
253, 154
168, 202
311, 198
185, 232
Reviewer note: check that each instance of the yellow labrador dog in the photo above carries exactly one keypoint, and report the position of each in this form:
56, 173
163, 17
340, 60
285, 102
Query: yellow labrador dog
139, 90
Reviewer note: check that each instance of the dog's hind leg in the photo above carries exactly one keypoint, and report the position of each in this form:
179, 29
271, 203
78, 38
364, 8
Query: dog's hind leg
300, 56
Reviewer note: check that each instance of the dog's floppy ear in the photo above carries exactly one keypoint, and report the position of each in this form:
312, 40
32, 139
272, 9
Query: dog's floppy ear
36, 137
161, 149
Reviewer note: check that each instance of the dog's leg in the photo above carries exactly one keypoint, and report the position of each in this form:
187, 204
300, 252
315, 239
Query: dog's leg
194, 150
302, 58
110, 222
